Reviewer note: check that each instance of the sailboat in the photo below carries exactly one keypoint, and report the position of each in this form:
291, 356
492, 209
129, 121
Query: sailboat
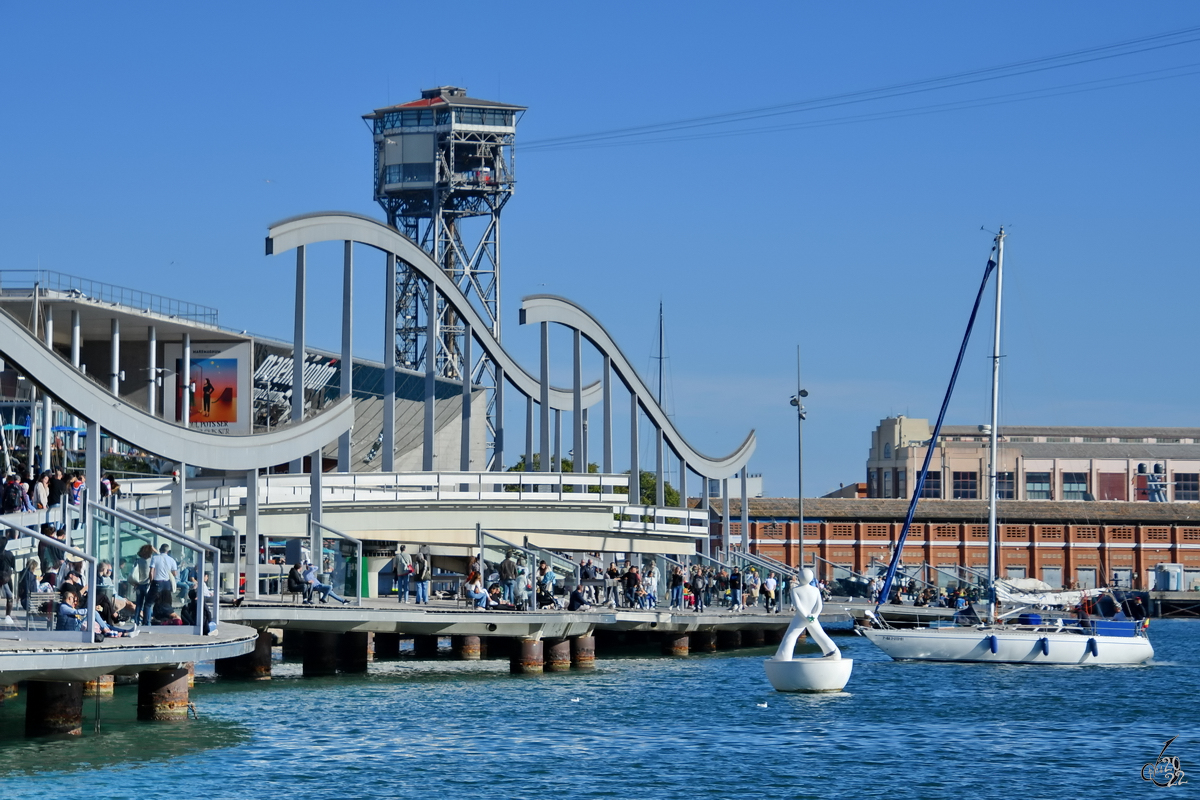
1027, 639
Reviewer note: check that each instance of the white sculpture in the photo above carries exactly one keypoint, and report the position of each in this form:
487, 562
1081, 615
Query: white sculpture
830, 672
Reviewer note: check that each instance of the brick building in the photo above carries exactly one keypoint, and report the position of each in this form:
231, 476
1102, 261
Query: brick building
1061, 543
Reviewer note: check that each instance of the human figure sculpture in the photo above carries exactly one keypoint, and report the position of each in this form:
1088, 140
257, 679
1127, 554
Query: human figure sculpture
807, 600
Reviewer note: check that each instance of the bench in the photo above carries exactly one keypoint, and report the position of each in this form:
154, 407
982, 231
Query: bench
36, 601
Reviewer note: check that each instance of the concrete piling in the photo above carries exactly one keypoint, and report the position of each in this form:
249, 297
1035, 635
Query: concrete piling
675, 644
352, 651
253, 666
53, 707
729, 640
320, 653
103, 686
387, 646
425, 646
557, 655
163, 695
703, 641
466, 648
583, 652
526, 657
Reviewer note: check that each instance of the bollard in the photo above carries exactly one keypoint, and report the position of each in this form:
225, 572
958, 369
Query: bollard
755, 637
675, 644
583, 652
53, 708
558, 655
101, 687
387, 645
703, 641
320, 653
162, 695
465, 648
352, 651
729, 640
253, 666
526, 657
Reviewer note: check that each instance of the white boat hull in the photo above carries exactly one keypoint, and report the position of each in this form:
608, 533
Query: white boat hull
1003, 645
808, 674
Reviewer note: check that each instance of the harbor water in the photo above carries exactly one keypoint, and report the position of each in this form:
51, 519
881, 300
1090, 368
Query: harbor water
639, 726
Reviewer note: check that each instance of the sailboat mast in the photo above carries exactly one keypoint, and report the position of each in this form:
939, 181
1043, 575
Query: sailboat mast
993, 477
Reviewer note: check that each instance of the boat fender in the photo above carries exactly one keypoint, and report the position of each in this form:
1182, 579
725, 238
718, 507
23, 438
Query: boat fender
1093, 648
994, 643
1045, 645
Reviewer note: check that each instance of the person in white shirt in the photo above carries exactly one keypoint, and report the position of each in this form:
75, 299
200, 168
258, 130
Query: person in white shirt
164, 570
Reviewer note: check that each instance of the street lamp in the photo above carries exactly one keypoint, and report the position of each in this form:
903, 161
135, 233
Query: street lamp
796, 401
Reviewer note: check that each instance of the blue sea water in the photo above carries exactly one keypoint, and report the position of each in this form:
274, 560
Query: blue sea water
650, 728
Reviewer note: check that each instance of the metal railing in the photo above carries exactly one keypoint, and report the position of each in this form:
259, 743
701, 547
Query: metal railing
354, 580
99, 511
16, 280
88, 626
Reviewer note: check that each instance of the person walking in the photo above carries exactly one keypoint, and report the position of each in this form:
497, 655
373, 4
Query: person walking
676, 588
735, 589
508, 578
164, 570
699, 584
422, 574
402, 570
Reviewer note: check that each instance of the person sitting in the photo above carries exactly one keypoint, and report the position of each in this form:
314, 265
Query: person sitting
323, 589
70, 616
473, 589
187, 614
578, 600
297, 585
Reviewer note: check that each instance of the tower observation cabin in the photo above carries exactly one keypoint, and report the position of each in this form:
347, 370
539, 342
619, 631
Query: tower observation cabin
444, 169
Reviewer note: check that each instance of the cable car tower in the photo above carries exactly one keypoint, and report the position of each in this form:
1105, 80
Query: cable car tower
440, 161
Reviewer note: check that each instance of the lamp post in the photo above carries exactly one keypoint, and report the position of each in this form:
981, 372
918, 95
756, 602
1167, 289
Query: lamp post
797, 401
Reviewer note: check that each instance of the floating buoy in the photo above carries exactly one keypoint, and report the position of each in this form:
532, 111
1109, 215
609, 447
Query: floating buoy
1093, 648
994, 644
1045, 645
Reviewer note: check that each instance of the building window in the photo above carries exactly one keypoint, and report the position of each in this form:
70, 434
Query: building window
1095, 439
1020, 438
966, 485
887, 450
1075, 485
933, 485
871, 487
1187, 486
1037, 486
1006, 486
902, 483
885, 477
1058, 438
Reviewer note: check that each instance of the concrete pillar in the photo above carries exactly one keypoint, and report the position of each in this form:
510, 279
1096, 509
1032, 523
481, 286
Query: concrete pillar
674, 644
583, 652
101, 687
425, 646
729, 640
466, 648
292, 644
387, 645
558, 655
755, 637
320, 654
253, 666
703, 641
191, 674
526, 657
352, 651
162, 695
53, 708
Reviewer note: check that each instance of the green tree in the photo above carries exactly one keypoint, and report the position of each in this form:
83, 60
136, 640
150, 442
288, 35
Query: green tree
649, 491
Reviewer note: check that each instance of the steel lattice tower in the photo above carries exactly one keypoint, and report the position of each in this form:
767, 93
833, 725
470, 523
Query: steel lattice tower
444, 169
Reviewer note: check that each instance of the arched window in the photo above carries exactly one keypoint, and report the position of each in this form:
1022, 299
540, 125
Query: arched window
887, 450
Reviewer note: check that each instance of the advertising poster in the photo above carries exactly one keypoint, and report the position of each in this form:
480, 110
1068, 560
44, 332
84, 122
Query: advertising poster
217, 387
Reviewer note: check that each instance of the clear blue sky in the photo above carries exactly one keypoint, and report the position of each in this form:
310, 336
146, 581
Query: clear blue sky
150, 145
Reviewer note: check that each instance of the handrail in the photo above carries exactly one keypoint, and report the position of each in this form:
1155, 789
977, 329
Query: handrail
186, 541
237, 550
89, 628
358, 565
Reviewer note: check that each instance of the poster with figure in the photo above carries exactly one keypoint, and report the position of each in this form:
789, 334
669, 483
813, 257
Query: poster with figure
216, 392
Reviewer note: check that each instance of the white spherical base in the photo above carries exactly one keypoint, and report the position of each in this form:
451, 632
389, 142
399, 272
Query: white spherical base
809, 674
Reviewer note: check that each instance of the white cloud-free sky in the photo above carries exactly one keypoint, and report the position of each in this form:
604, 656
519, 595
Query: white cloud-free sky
150, 145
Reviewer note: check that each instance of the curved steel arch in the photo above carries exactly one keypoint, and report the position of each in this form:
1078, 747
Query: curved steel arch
344, 226
216, 451
551, 308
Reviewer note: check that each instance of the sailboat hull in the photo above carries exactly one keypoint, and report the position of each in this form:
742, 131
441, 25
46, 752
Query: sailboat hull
1000, 645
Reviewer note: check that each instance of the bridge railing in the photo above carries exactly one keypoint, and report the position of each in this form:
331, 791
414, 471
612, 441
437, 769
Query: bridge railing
31, 556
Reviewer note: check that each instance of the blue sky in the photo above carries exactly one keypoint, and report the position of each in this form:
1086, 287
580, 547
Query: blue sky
150, 145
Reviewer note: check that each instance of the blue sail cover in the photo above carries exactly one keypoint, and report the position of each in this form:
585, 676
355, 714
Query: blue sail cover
937, 429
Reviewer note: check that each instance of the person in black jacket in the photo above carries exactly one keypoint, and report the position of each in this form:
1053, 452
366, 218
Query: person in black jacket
297, 585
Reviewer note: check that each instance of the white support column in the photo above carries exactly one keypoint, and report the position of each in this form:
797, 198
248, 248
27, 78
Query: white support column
114, 357
683, 496
635, 468
558, 465
152, 370
725, 521
388, 445
432, 336
498, 441
746, 516
607, 444
47, 407
91, 477
75, 347
298, 354
582, 455
178, 493
315, 507
252, 539
580, 458
347, 365
464, 459
545, 398
185, 412
529, 434
660, 477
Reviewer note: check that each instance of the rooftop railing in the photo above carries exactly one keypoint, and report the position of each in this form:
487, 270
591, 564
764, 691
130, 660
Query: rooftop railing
15, 281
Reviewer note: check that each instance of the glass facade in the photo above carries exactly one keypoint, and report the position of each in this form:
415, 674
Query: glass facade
408, 173
933, 485
1075, 485
1006, 486
966, 485
1187, 486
